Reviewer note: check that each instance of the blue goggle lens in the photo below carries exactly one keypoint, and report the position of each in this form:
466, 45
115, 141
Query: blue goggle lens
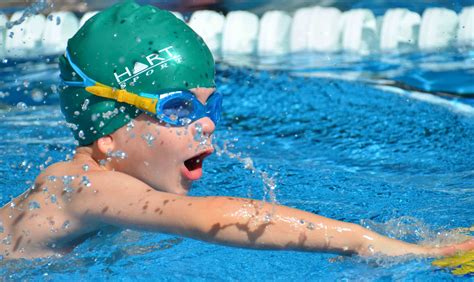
183, 108
178, 108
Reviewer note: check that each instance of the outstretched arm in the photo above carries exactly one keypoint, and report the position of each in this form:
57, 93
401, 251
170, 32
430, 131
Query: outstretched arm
129, 203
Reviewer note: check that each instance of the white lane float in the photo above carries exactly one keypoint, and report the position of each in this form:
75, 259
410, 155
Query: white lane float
240, 33
399, 30
320, 29
438, 28
3, 21
86, 17
178, 15
465, 33
274, 32
324, 29
209, 25
60, 26
359, 33
299, 30
22, 39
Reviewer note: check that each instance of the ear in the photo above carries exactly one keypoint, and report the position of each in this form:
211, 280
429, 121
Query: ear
105, 144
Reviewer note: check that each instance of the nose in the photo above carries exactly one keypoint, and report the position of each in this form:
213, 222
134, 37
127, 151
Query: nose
204, 126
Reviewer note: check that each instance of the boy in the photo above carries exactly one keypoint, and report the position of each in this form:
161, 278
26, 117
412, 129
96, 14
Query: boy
140, 99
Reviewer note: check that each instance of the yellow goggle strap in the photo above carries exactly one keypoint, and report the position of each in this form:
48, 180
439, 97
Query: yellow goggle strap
120, 95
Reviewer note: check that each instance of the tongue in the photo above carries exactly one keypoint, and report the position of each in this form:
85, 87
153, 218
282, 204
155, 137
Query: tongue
193, 163
192, 168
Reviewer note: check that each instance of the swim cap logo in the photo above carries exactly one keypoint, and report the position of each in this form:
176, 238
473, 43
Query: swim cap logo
153, 60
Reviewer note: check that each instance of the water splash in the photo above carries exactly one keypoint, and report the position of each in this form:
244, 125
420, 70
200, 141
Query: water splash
34, 9
269, 184
412, 229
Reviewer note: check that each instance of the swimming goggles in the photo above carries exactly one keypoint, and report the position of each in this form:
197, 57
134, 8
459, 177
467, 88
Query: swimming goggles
176, 108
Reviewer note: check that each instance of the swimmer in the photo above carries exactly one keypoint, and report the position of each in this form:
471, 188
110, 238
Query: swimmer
140, 99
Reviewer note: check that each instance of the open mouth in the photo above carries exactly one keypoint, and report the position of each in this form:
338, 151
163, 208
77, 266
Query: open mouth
193, 167
195, 162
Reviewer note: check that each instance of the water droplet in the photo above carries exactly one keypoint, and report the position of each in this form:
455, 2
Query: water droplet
54, 199
149, 138
85, 104
310, 226
115, 34
371, 249
68, 189
52, 178
58, 20
37, 95
11, 34
33, 205
7, 240
130, 125
5, 60
81, 134
76, 113
85, 181
50, 17
85, 167
66, 224
21, 106
67, 179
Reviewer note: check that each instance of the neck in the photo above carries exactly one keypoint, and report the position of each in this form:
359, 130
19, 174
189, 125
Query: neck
89, 154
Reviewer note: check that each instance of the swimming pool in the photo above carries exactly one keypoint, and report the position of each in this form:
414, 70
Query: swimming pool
340, 148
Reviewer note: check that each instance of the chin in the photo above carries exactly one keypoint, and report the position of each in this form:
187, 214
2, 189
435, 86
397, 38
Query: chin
185, 187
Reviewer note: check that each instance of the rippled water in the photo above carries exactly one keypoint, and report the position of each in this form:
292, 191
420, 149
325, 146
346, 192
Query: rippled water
342, 149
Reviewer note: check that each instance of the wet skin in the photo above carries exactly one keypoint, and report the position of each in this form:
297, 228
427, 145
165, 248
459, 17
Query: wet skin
138, 178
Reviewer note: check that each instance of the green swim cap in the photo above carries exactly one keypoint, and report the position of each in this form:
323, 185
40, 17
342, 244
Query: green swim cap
133, 47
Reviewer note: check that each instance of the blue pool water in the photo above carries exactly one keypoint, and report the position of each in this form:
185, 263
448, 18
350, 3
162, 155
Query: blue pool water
344, 149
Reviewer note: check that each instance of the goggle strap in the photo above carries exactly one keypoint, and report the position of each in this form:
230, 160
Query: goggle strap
104, 91
86, 80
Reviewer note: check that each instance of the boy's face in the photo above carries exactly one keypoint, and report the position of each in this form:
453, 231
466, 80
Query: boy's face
166, 158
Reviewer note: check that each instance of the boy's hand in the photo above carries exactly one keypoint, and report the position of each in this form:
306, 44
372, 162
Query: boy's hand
453, 249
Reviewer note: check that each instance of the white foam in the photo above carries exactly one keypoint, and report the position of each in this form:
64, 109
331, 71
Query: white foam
359, 31
400, 28
274, 33
87, 16
299, 30
209, 25
23, 39
324, 29
466, 27
240, 33
438, 28
60, 26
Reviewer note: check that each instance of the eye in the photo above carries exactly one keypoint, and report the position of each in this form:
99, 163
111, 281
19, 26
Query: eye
178, 108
